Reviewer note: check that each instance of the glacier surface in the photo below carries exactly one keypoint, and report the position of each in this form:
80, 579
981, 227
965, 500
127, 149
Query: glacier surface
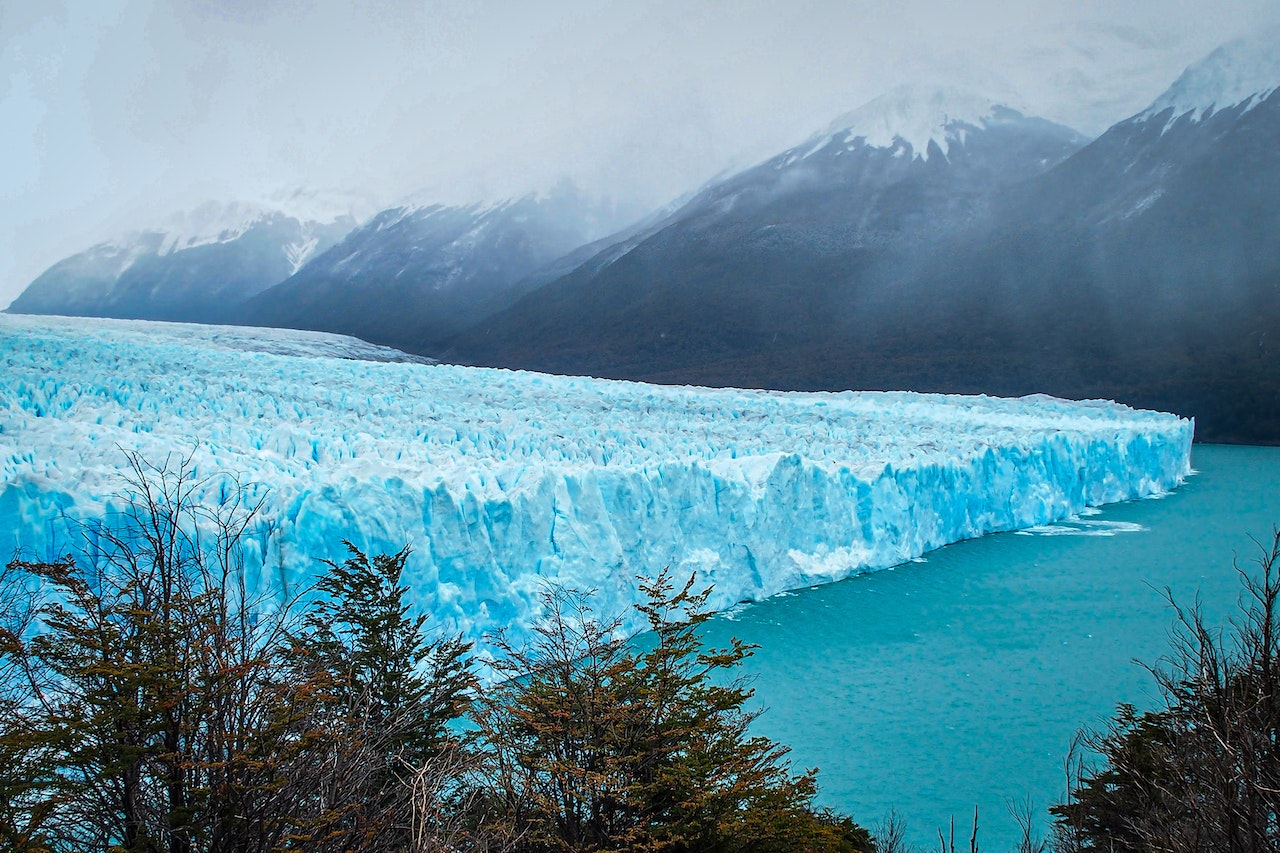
504, 481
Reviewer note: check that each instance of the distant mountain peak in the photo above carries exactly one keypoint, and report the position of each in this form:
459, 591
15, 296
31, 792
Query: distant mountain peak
240, 248
1245, 71
423, 204
434, 199
221, 222
211, 222
916, 116
598, 214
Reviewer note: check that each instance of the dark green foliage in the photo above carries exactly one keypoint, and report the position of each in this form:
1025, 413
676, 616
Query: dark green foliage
381, 698
30, 790
593, 745
1132, 779
360, 625
1203, 772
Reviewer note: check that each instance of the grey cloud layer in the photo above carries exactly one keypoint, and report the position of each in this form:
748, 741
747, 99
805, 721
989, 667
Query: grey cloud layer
116, 112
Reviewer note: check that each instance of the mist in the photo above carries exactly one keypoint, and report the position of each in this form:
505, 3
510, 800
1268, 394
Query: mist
115, 114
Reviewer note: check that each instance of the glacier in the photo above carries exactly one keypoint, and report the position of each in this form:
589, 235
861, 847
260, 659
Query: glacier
504, 481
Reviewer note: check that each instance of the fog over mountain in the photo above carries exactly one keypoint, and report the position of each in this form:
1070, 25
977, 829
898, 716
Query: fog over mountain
957, 237
113, 114
414, 275
195, 267
784, 254
937, 240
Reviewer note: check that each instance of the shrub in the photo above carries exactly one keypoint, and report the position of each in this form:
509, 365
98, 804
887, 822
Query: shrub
594, 745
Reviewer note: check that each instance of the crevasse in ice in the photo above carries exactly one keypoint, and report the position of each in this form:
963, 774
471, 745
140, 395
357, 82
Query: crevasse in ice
503, 481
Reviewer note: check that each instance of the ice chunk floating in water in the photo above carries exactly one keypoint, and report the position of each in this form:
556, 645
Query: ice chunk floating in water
502, 481
1083, 527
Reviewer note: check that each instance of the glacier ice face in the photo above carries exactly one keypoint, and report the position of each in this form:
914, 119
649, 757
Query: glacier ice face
503, 481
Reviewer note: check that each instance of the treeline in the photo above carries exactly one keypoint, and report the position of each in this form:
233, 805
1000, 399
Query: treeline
153, 702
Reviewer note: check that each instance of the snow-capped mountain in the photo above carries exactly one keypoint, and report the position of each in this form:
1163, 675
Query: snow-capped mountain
1150, 261
930, 240
1180, 201
197, 266
1243, 73
917, 120
765, 258
952, 243
417, 273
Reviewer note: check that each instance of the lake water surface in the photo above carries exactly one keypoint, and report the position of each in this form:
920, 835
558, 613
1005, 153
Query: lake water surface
961, 680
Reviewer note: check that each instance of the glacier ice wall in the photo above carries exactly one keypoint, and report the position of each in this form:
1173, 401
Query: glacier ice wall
502, 481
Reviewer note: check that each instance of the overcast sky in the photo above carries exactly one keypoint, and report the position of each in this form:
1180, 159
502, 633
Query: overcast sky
116, 113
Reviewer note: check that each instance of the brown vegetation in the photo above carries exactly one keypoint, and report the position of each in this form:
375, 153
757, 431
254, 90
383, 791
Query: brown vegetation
152, 702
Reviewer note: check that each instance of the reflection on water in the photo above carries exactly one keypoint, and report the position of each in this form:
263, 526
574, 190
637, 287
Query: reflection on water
935, 687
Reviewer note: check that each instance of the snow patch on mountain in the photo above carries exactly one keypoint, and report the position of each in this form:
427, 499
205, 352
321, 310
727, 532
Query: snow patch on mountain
909, 118
222, 222
424, 204
211, 222
1245, 71
218, 222
298, 253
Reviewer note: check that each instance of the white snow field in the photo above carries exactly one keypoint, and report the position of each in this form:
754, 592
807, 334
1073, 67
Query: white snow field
502, 481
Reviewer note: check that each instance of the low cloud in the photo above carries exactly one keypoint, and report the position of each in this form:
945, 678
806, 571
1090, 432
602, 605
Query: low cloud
114, 114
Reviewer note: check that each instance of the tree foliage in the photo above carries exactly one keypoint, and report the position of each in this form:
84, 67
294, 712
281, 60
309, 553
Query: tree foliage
383, 696
153, 702
149, 695
593, 745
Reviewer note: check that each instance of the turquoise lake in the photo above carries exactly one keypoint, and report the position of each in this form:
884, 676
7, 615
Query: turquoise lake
961, 680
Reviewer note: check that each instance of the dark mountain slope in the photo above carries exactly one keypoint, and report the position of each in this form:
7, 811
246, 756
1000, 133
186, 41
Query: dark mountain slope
197, 271
1145, 268
777, 258
413, 276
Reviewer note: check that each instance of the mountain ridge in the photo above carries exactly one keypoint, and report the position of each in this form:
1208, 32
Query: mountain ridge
933, 240
194, 267
413, 275
1142, 266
